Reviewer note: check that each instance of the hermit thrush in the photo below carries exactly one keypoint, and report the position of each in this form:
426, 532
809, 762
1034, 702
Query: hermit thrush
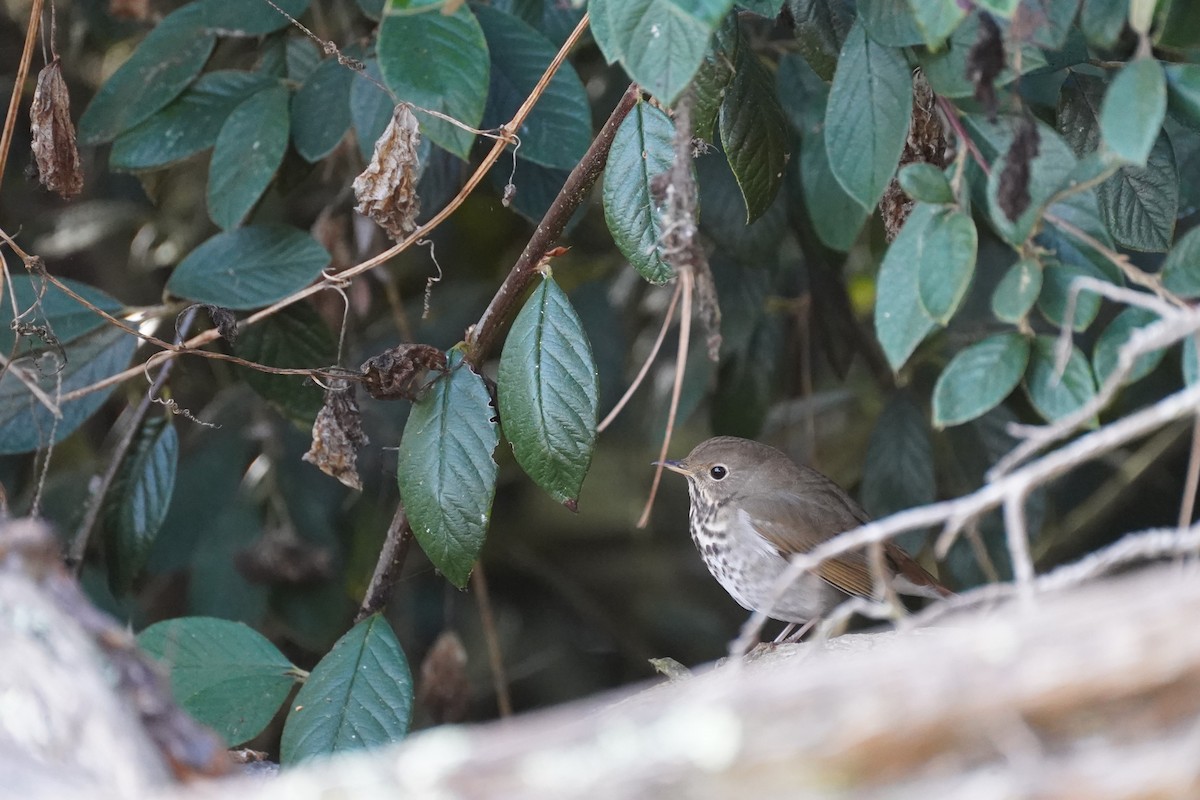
752, 508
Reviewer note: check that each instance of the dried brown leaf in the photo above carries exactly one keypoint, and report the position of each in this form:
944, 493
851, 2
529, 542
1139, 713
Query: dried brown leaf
386, 190
398, 373
337, 435
985, 61
54, 150
1013, 192
444, 691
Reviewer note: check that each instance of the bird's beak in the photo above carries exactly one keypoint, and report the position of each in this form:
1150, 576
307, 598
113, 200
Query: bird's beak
674, 466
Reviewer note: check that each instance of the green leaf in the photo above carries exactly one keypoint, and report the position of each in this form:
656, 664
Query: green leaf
138, 501
1191, 362
94, 350
446, 472
321, 110
836, 216
1052, 395
249, 267
1183, 91
249, 19
712, 79
1080, 210
723, 215
371, 109
866, 121
641, 149
802, 94
1048, 21
1048, 173
1005, 8
1103, 20
947, 263
189, 124
821, 29
1140, 204
1176, 25
225, 674
1017, 291
1181, 269
167, 60
898, 471
890, 22
295, 338
1104, 357
548, 393
754, 132
978, 379
659, 42
360, 695
302, 57
947, 71
248, 151
559, 129
1131, 116
439, 62
925, 182
901, 322
1056, 287
937, 19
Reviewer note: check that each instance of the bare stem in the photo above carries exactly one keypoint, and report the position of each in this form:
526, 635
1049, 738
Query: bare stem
14, 103
389, 566
495, 655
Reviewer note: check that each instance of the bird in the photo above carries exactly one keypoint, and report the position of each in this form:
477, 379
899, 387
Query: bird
752, 508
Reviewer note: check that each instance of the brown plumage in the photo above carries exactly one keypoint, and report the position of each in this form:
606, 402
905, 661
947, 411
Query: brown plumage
752, 508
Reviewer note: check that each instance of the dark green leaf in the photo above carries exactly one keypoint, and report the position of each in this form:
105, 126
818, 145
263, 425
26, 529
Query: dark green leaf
747, 381
537, 187
764, 8
978, 378
249, 149
821, 28
548, 393
1055, 396
1183, 91
371, 109
754, 133
372, 8
1140, 204
302, 57
1078, 114
295, 338
446, 472
1181, 269
1176, 25
189, 124
1017, 291
1005, 8
898, 472
802, 94
947, 71
1191, 362
439, 62
1048, 22
890, 22
723, 215
1103, 20
641, 150
360, 695
925, 182
1131, 116
559, 129
901, 322
659, 42
225, 674
712, 79
1080, 211
947, 263
837, 217
321, 110
138, 501
249, 18
166, 61
866, 121
937, 19
1055, 296
94, 350
1104, 357
249, 267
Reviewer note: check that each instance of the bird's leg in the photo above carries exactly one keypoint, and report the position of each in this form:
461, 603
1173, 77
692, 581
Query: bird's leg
788, 637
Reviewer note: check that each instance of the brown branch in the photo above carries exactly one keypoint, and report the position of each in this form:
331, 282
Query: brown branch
389, 566
495, 656
14, 104
483, 334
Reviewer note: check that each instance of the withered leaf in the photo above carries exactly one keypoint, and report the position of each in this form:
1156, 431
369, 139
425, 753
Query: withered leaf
985, 61
398, 373
337, 434
926, 143
386, 190
53, 146
1013, 192
444, 691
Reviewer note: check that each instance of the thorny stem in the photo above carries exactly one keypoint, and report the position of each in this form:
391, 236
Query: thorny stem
574, 191
14, 103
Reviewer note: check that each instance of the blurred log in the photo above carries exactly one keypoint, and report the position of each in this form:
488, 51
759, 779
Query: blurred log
1092, 692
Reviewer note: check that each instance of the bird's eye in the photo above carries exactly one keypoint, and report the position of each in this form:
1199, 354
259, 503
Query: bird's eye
718, 472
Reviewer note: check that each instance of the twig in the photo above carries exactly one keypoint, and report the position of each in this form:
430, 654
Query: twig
14, 103
99, 491
389, 566
1122, 263
483, 335
637, 381
365, 266
495, 656
987, 497
951, 114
